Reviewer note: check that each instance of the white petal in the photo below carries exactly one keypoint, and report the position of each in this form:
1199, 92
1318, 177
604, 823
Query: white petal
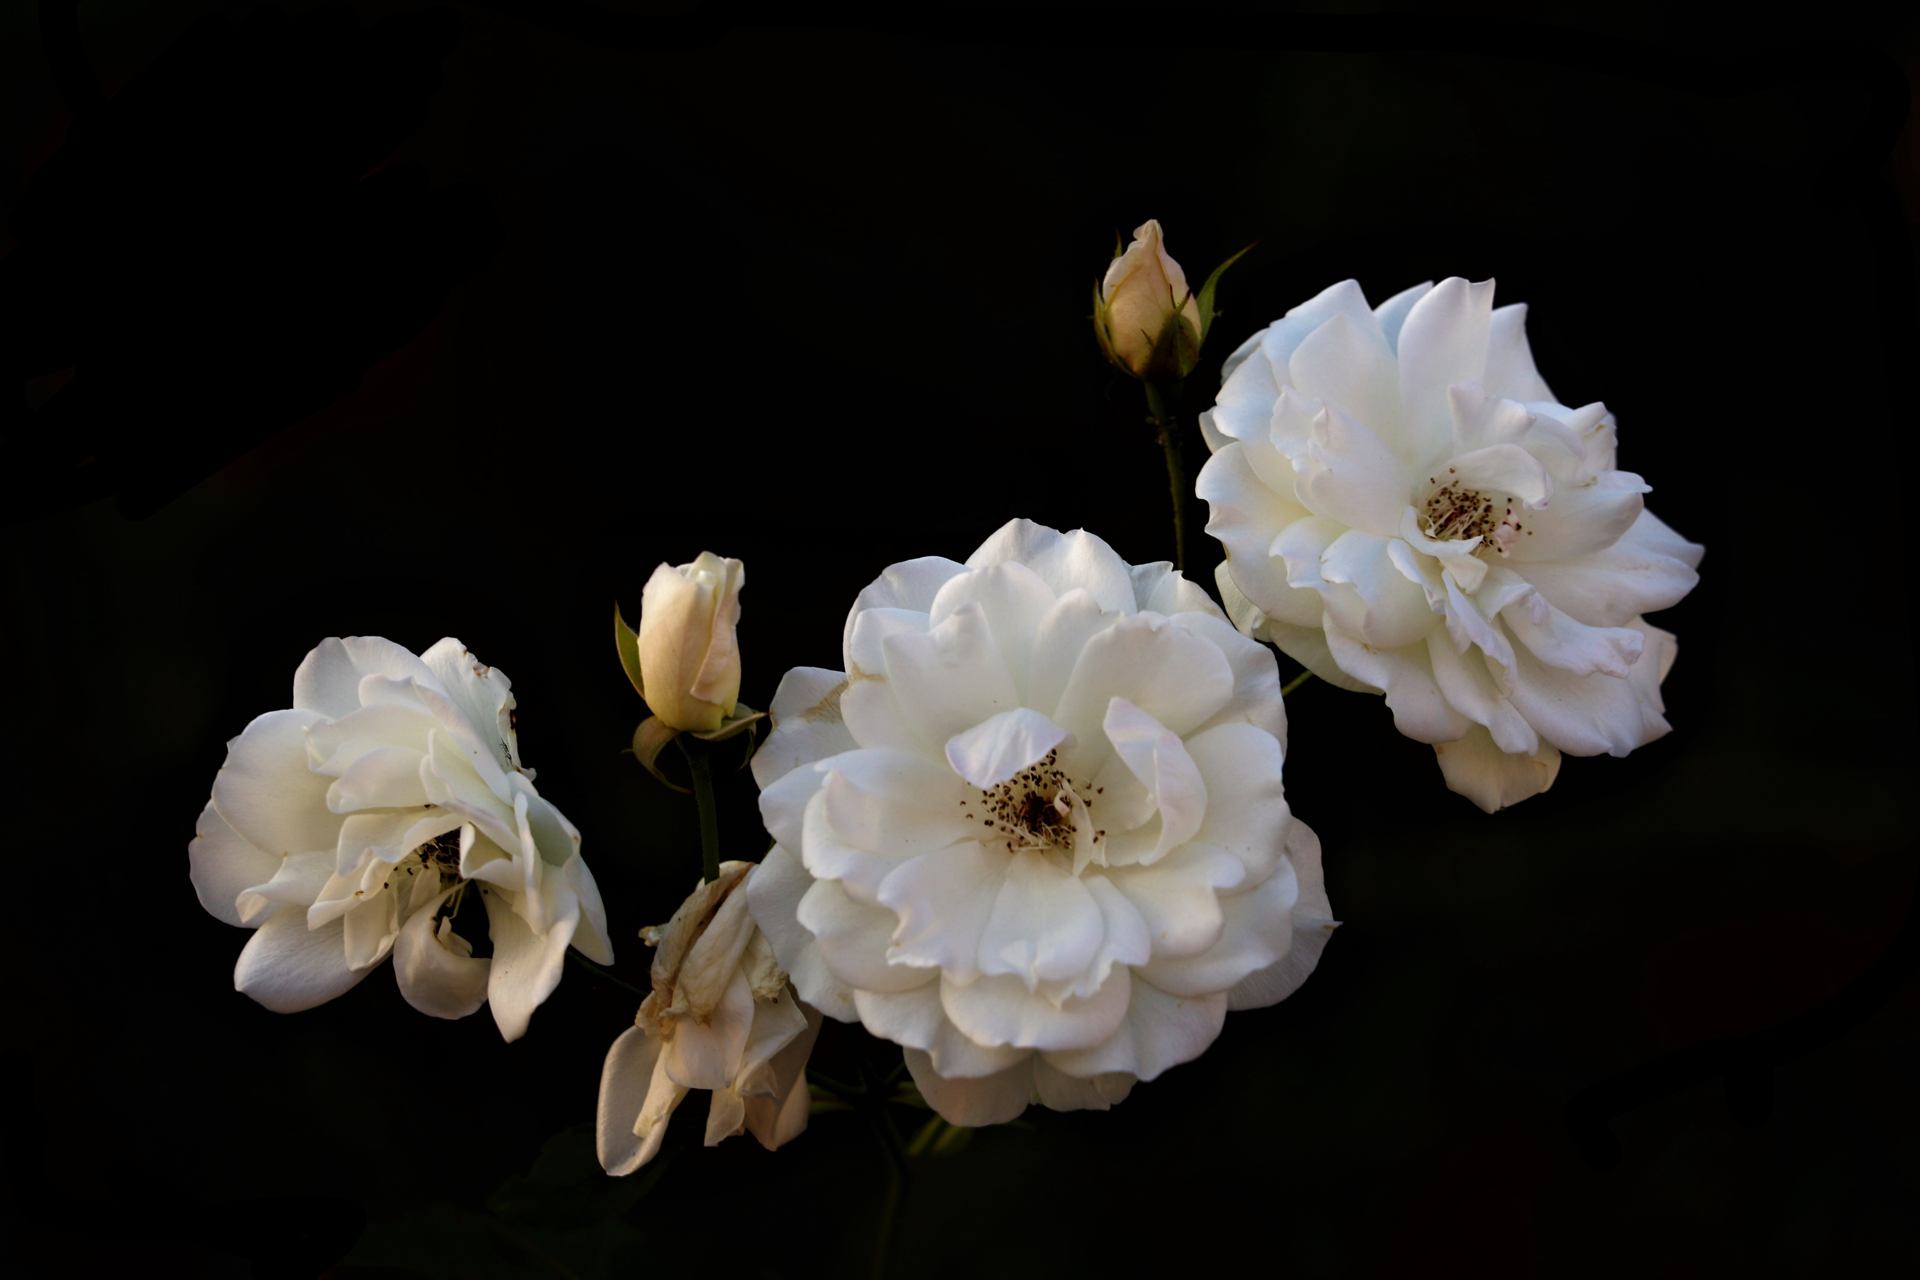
1064, 561
1419, 710
973, 1102
1313, 926
328, 679
623, 1088
1160, 588
1074, 619
1002, 745
710, 1054
778, 1116
1011, 597
877, 809
288, 968
1442, 342
1246, 811
1244, 514
807, 725
1471, 689
1510, 372
911, 585
1376, 601
999, 1010
1392, 314
1476, 767
1257, 930
1503, 470
223, 865
1581, 520
435, 967
1178, 896
1256, 678
853, 939
1352, 475
483, 694
1044, 927
526, 965
1349, 364
1059, 1091
1178, 678
1586, 715
1155, 756
774, 891
1159, 1031
1651, 567
917, 1020
266, 792
943, 900
952, 677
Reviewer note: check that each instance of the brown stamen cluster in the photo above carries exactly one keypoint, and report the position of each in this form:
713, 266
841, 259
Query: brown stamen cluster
1455, 513
1035, 806
442, 854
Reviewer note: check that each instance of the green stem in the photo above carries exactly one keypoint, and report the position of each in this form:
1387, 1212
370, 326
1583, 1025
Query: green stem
604, 972
702, 770
1295, 683
1166, 420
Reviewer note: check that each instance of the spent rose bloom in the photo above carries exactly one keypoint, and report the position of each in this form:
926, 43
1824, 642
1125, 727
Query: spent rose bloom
358, 823
720, 1017
1146, 318
1407, 509
1035, 831
689, 657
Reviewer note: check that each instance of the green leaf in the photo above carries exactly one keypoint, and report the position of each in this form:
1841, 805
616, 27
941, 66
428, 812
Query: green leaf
1206, 290
743, 718
628, 643
649, 740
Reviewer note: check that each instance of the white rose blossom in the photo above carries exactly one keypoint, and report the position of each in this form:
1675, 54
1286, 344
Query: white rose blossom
721, 1017
355, 824
1407, 509
1035, 831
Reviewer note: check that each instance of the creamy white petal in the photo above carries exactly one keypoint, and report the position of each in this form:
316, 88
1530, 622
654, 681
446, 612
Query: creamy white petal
1056, 1089
709, 1054
483, 694
807, 724
1012, 598
774, 891
952, 677
1160, 1031
1443, 342
1064, 561
328, 679
1313, 926
526, 966
1178, 678
1045, 927
943, 900
853, 939
916, 1019
1510, 372
266, 792
223, 865
288, 967
975, 1101
911, 584
1000, 1010
1477, 768
1002, 745
435, 967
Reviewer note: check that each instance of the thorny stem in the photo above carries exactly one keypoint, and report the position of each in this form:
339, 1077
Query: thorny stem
702, 770
1166, 420
1295, 683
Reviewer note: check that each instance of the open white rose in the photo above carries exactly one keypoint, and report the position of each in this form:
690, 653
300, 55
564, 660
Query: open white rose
1035, 831
1407, 509
689, 656
720, 1017
358, 823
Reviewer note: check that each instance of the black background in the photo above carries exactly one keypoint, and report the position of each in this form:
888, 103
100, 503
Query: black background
421, 322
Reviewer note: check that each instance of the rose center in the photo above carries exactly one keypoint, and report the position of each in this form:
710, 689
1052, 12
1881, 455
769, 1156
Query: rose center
441, 855
1455, 512
1034, 809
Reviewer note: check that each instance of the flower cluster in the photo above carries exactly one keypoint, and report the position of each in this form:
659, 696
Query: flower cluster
1032, 829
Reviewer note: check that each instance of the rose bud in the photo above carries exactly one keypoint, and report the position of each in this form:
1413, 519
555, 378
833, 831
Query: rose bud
689, 658
1147, 320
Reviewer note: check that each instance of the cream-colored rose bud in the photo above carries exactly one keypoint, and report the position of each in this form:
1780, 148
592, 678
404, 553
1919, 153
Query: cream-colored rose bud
1145, 316
689, 658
